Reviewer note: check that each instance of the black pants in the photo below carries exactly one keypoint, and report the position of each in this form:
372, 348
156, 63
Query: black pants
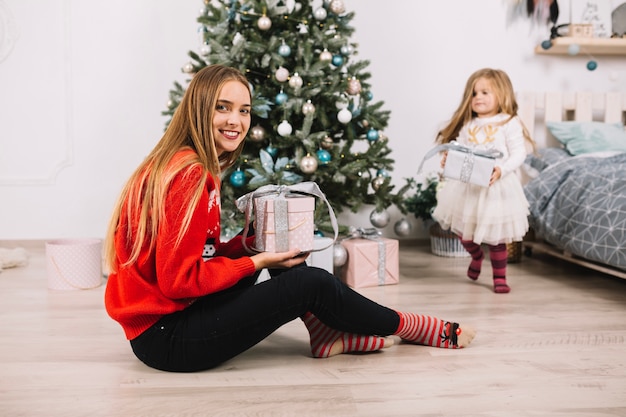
220, 326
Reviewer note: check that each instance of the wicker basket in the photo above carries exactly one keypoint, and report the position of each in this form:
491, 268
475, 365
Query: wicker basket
445, 243
514, 252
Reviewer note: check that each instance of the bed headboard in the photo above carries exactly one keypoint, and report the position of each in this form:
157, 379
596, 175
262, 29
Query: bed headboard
536, 108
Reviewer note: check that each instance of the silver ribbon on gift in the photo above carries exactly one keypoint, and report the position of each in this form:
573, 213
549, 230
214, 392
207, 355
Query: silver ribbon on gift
468, 162
372, 234
245, 204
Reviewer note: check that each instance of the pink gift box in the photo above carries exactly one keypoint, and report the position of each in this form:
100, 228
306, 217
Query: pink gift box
371, 262
300, 227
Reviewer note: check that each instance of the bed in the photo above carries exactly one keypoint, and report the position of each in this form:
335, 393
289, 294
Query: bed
575, 182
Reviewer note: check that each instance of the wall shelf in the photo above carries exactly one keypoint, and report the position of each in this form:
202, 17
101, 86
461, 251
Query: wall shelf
592, 46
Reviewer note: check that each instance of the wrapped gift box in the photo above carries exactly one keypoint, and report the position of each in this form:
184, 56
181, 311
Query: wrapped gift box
465, 166
371, 262
288, 223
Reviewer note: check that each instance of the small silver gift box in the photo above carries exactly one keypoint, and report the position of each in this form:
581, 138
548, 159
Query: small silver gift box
464, 165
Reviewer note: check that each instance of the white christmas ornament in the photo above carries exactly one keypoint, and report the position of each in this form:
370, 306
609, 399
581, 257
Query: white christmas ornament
344, 116
320, 14
205, 49
295, 81
188, 68
264, 23
284, 128
325, 55
308, 108
282, 74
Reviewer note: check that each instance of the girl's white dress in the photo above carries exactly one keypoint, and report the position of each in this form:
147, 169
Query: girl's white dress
498, 213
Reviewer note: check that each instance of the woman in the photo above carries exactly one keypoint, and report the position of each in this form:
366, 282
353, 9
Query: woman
186, 300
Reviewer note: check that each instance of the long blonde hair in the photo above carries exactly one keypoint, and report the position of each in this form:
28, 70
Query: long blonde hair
191, 127
503, 90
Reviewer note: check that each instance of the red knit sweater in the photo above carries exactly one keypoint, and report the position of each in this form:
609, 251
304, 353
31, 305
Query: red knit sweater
167, 279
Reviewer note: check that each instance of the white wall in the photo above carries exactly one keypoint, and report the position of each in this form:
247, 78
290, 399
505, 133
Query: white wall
83, 84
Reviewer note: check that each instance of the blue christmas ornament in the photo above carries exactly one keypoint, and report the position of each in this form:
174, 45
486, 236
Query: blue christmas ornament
238, 178
337, 60
272, 151
318, 233
284, 50
547, 44
372, 135
281, 98
323, 156
382, 173
592, 65
369, 96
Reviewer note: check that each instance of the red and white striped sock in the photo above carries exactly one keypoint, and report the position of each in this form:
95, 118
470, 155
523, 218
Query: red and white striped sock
498, 255
327, 342
431, 331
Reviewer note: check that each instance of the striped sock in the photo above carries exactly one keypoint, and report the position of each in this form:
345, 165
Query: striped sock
431, 331
498, 256
477, 258
327, 342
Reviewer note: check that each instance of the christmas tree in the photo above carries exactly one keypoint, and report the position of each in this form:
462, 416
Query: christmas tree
314, 117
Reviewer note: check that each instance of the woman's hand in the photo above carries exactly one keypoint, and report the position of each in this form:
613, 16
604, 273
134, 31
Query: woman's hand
495, 175
278, 259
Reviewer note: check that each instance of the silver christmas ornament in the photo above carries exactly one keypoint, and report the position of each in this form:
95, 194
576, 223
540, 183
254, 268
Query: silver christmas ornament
327, 143
308, 164
402, 227
340, 255
377, 182
379, 218
337, 6
257, 133
354, 87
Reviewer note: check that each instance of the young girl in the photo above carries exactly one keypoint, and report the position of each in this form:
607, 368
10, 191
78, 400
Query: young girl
496, 215
186, 300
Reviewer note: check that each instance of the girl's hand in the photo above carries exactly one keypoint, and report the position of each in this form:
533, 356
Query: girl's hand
443, 158
278, 259
495, 175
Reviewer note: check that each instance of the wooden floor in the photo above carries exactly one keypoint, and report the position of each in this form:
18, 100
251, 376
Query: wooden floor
554, 346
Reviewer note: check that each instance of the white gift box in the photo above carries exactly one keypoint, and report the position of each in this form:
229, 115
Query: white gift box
464, 165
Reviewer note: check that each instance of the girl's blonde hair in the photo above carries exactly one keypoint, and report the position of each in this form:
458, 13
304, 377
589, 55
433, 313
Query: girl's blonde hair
191, 127
503, 90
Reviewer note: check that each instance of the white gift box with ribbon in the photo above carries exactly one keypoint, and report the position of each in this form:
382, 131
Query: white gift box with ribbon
466, 164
